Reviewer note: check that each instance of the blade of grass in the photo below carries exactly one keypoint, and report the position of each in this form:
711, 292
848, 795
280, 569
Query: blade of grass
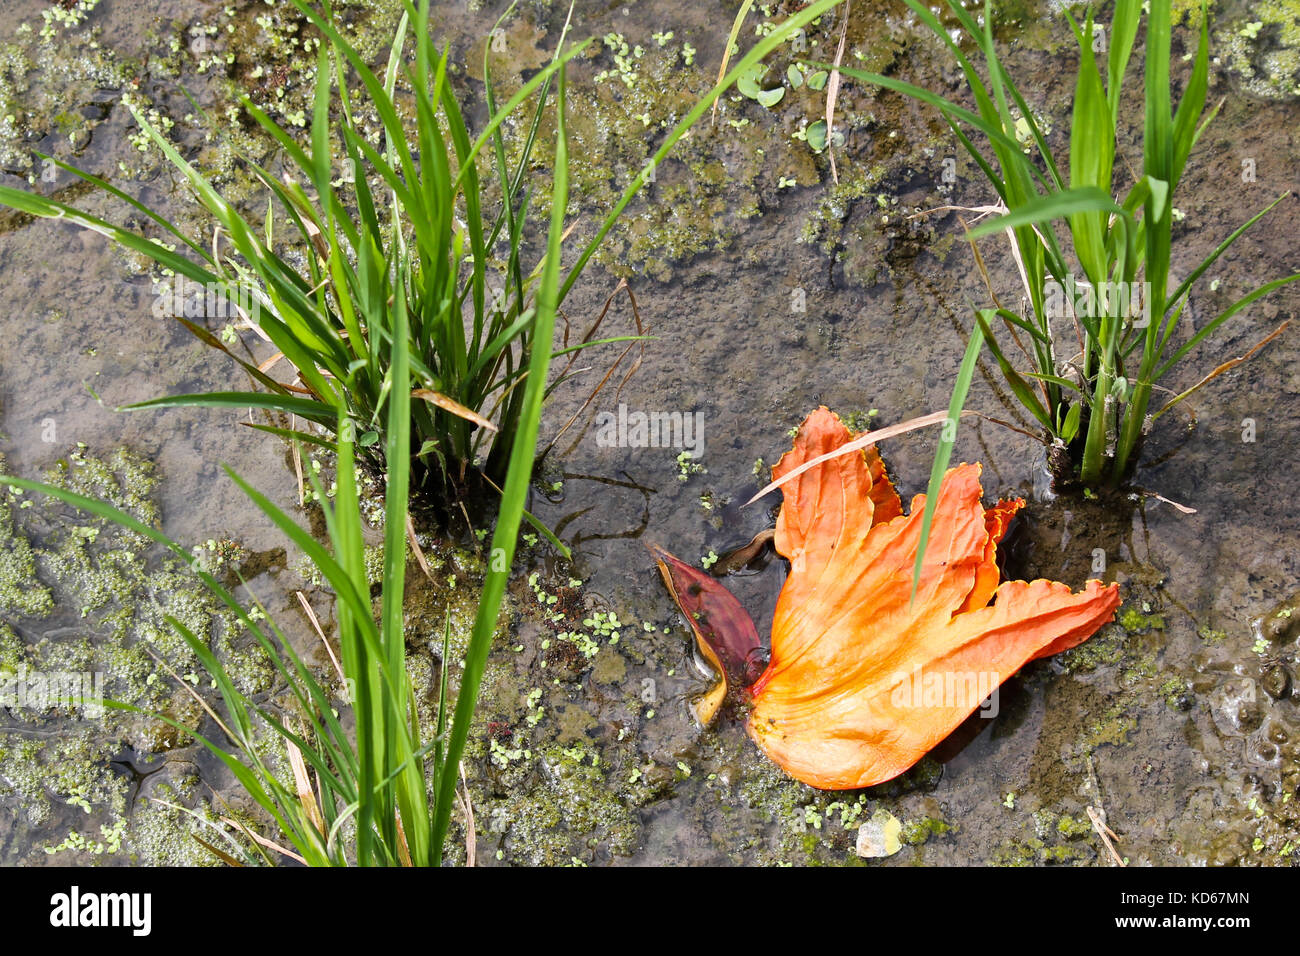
943, 455
726, 50
506, 533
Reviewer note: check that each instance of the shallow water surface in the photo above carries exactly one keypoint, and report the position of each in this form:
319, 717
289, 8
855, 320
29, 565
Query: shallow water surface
1171, 723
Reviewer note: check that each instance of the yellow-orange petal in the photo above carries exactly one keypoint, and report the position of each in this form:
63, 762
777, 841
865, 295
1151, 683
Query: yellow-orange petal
856, 479
996, 521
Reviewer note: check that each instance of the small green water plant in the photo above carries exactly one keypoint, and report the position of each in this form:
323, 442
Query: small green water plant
358, 213
1101, 329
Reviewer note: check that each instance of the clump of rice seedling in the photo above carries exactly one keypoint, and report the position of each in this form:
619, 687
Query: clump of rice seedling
1099, 333
407, 219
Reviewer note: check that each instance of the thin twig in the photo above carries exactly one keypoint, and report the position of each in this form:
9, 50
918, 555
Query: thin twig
862, 441
833, 92
1106, 833
988, 284
1183, 508
311, 616
640, 331
415, 546
997, 421
263, 841
471, 839
297, 461
1231, 363
193, 693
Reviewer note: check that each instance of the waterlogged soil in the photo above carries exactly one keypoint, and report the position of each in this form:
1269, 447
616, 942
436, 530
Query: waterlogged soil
767, 288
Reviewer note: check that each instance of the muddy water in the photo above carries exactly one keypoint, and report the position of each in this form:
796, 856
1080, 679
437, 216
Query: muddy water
1165, 723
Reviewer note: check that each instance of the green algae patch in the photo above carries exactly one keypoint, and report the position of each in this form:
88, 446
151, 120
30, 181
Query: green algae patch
104, 623
1261, 48
1073, 827
1177, 694
1102, 649
1211, 636
1137, 622
1034, 851
50, 69
21, 591
554, 773
723, 173
917, 832
570, 815
1113, 727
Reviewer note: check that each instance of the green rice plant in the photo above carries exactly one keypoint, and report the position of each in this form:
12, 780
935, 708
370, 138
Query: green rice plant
369, 781
415, 206
378, 783
1089, 378
376, 775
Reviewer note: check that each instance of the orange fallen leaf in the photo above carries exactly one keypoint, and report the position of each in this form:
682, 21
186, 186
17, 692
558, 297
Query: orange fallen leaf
863, 681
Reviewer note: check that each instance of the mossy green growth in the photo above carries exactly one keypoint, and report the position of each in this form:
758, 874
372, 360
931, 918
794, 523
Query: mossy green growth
554, 770
69, 769
917, 832
1073, 827
49, 70
635, 89
1188, 12
21, 591
1102, 649
813, 827
1135, 621
575, 814
108, 592
822, 227
162, 834
1211, 636
860, 420
1049, 826
1112, 727
1261, 48
1036, 852
1177, 693
1030, 23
